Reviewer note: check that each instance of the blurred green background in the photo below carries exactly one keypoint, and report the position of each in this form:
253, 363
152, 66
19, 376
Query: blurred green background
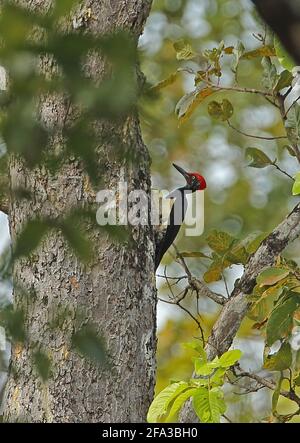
238, 199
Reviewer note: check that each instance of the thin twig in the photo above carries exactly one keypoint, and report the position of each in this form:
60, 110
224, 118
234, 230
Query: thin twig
282, 171
172, 278
261, 137
272, 102
225, 283
227, 418
239, 89
291, 395
198, 285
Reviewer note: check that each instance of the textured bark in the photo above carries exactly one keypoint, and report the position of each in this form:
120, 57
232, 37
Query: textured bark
116, 291
236, 307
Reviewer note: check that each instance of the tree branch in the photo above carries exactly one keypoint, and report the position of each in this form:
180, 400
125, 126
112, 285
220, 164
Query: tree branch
271, 385
203, 290
260, 137
196, 284
235, 309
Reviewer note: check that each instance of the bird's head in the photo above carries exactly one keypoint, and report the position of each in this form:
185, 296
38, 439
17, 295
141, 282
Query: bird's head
194, 180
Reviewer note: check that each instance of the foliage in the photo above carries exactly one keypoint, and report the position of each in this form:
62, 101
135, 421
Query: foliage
236, 90
214, 134
205, 389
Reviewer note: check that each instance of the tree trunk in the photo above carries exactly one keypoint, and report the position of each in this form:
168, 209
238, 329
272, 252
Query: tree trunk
116, 291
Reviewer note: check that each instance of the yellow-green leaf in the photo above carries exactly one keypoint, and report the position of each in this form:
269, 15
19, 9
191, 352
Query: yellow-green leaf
189, 102
214, 272
263, 51
296, 185
279, 361
183, 50
209, 405
219, 241
229, 358
222, 111
281, 319
166, 82
257, 158
253, 242
284, 80
178, 403
284, 58
159, 407
276, 394
270, 276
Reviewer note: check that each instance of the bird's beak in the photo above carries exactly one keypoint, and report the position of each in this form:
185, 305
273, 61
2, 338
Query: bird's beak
182, 171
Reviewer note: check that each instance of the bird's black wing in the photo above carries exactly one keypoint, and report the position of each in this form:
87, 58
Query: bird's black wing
176, 218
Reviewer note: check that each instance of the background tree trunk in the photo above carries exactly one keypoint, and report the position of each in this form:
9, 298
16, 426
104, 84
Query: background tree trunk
116, 291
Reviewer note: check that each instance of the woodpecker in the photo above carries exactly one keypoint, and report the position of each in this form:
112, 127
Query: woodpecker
194, 182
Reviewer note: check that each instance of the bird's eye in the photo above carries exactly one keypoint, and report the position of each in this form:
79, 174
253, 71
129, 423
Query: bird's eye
193, 177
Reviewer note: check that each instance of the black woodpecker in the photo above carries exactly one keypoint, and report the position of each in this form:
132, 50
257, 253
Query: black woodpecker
194, 182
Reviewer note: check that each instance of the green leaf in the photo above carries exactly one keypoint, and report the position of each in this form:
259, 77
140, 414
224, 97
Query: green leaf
292, 124
269, 77
42, 364
270, 276
214, 272
284, 58
253, 241
217, 379
209, 405
159, 407
88, 343
222, 111
183, 50
279, 361
215, 109
219, 241
281, 319
205, 368
166, 82
230, 358
238, 52
296, 185
276, 394
31, 236
178, 403
284, 80
297, 380
189, 102
263, 305
263, 51
227, 109
196, 346
257, 158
